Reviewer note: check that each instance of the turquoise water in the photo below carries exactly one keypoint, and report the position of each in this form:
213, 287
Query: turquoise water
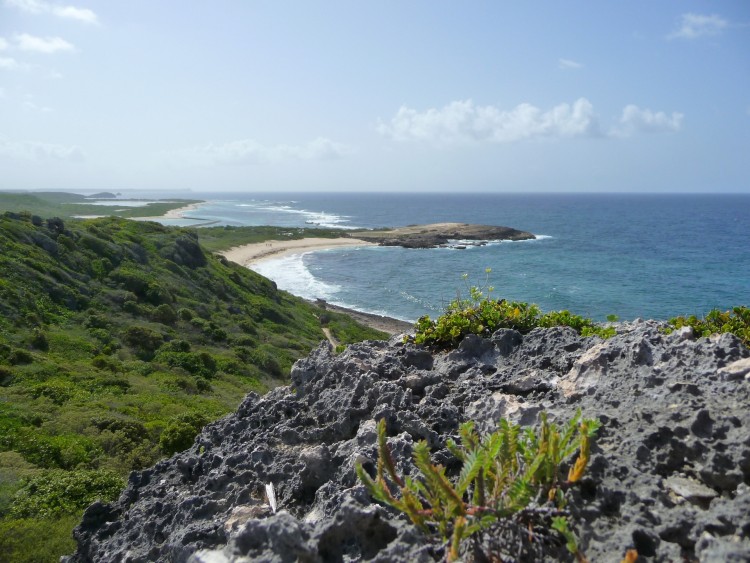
652, 256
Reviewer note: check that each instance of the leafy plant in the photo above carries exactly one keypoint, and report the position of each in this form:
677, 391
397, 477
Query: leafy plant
481, 315
736, 321
510, 480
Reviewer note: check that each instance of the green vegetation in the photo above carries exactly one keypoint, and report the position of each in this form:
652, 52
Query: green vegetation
223, 238
119, 340
509, 493
66, 205
481, 315
736, 321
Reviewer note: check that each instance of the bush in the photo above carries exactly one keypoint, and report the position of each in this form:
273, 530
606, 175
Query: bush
180, 432
185, 314
57, 492
735, 321
143, 339
165, 314
482, 316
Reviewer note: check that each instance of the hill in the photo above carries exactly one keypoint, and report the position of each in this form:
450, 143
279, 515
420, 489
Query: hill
119, 340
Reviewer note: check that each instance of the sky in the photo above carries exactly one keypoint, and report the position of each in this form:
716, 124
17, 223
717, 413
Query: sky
394, 95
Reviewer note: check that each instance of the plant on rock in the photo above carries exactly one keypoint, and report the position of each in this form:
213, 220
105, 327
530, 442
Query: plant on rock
508, 495
736, 321
481, 315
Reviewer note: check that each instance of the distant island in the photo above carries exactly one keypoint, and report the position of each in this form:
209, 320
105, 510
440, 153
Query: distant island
436, 235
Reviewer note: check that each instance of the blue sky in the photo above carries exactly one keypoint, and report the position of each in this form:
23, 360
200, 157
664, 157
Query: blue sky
375, 96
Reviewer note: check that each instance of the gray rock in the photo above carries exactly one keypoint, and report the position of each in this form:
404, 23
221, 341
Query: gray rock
668, 476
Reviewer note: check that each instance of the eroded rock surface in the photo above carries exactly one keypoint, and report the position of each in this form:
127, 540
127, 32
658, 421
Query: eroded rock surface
455, 235
669, 473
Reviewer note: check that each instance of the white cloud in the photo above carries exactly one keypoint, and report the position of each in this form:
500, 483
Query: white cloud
8, 63
462, 121
566, 64
36, 151
3, 44
637, 120
693, 26
80, 14
249, 151
47, 45
67, 12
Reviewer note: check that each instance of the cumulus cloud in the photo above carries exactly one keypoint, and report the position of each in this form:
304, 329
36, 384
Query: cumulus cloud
249, 151
567, 64
637, 120
463, 121
36, 151
46, 45
83, 15
694, 26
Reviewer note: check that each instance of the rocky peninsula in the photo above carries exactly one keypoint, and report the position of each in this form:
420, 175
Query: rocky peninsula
441, 234
669, 473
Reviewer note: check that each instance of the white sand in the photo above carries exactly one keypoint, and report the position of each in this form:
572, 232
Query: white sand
249, 254
178, 213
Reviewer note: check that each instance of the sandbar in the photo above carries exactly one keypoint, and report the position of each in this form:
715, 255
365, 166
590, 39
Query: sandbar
249, 254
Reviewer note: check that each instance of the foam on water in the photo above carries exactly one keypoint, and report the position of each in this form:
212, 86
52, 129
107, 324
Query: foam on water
291, 274
312, 218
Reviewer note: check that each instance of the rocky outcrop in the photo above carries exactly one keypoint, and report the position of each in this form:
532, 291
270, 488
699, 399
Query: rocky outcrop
669, 473
455, 235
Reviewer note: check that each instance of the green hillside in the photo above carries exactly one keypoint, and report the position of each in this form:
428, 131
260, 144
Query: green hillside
65, 205
118, 341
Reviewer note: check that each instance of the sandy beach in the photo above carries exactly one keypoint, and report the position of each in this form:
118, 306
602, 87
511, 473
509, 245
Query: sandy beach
249, 254
178, 213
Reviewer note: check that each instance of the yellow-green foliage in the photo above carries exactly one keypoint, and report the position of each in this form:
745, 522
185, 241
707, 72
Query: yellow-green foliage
502, 474
736, 321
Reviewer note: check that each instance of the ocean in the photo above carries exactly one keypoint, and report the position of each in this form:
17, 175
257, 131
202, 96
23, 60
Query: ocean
630, 255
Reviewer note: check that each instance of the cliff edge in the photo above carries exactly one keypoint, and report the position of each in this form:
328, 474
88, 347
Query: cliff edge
669, 472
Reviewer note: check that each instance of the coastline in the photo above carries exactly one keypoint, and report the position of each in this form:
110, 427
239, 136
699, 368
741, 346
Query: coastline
250, 254
176, 213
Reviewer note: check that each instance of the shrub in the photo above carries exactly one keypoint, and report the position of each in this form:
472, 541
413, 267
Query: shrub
57, 492
482, 316
201, 363
185, 314
180, 432
510, 486
39, 339
143, 339
735, 321
165, 314
19, 357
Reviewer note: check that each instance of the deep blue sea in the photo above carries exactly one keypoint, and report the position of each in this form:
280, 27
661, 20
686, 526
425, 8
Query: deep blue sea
651, 256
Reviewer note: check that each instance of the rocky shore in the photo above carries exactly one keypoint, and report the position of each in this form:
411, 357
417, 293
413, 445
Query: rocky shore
435, 235
669, 472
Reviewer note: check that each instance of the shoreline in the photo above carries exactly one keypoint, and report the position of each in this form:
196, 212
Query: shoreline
176, 213
249, 254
